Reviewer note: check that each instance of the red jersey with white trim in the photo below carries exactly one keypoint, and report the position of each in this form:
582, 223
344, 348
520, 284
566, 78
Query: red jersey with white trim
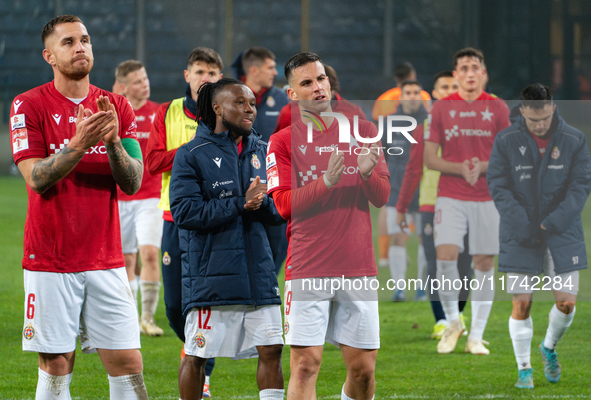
151, 184
74, 225
333, 237
465, 130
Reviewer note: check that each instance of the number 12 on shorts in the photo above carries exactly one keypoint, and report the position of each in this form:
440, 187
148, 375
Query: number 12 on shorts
204, 316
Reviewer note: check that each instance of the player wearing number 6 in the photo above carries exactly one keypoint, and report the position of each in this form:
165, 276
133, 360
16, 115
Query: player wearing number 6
218, 200
539, 176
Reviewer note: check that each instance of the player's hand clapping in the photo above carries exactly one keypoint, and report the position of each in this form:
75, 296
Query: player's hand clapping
255, 195
91, 130
112, 130
367, 160
335, 169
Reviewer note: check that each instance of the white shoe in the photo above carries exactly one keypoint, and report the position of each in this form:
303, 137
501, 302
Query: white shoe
476, 346
149, 327
450, 337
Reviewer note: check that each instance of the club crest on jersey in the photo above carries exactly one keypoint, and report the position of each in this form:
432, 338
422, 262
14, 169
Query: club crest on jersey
200, 340
254, 161
286, 327
166, 258
555, 153
270, 101
29, 332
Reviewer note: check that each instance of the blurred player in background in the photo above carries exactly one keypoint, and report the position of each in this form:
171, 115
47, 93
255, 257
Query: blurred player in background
444, 84
141, 220
464, 126
74, 144
540, 177
317, 204
175, 124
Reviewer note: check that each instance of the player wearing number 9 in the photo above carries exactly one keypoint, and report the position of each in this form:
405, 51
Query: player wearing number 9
539, 176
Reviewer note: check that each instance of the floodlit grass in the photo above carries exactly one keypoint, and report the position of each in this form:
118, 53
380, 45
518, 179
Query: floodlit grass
408, 365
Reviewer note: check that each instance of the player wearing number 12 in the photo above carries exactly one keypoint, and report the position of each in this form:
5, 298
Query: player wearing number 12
539, 176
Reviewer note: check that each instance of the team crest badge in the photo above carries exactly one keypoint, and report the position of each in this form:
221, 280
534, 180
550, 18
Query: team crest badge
166, 258
270, 102
29, 332
555, 153
428, 230
286, 327
200, 340
255, 161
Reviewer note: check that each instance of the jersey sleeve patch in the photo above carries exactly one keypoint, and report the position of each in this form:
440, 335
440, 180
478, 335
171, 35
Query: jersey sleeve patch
17, 121
20, 140
272, 178
271, 161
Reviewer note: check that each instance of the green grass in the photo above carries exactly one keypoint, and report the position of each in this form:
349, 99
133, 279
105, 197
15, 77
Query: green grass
407, 366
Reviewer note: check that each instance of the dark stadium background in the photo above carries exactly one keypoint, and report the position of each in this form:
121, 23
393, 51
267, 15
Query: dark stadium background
524, 41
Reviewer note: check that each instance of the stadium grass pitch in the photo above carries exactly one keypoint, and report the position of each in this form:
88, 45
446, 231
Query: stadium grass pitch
408, 365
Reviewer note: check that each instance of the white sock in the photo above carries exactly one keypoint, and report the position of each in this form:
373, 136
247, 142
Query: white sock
343, 395
133, 285
397, 259
481, 303
447, 274
52, 387
521, 333
207, 379
271, 394
150, 292
559, 323
422, 265
128, 387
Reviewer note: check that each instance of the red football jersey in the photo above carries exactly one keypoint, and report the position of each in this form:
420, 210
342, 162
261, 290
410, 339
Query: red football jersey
74, 225
333, 237
465, 130
151, 184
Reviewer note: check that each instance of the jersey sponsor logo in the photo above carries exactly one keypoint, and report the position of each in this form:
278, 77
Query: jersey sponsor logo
57, 118
20, 140
200, 340
29, 331
452, 113
522, 150
486, 115
520, 167
263, 181
303, 149
272, 177
98, 149
17, 104
449, 133
218, 161
166, 258
555, 153
143, 135
309, 175
271, 162
140, 118
72, 120
216, 183
254, 161
467, 114
524, 176
326, 149
225, 193
561, 166
17, 121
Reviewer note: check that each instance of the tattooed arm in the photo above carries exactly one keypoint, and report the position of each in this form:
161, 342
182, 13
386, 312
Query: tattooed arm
42, 173
127, 171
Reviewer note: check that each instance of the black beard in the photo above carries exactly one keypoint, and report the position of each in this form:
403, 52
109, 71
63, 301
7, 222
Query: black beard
235, 129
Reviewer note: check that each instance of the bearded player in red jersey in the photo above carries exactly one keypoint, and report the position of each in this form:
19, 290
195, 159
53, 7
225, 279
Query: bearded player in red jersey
74, 144
323, 188
140, 217
464, 126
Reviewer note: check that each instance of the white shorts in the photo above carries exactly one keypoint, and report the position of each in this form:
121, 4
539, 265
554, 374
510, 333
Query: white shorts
394, 228
567, 282
97, 305
354, 323
141, 224
480, 219
232, 331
